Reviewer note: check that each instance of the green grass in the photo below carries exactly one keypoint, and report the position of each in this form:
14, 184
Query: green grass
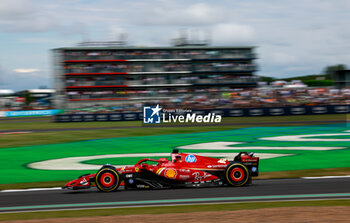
46, 123
305, 173
52, 137
33, 185
49, 124
170, 209
43, 138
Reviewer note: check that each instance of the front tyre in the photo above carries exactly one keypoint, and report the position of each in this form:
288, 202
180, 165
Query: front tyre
236, 174
107, 179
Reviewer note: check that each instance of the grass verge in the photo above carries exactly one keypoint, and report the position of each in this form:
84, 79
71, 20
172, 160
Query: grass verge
264, 175
85, 131
305, 173
170, 209
46, 123
44, 138
33, 185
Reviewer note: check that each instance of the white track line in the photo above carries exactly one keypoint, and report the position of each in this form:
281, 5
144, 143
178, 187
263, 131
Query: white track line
325, 177
31, 189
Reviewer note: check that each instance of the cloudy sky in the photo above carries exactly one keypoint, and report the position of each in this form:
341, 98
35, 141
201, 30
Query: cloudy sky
294, 37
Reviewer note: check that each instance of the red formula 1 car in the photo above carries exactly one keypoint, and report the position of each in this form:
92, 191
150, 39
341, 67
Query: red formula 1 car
184, 170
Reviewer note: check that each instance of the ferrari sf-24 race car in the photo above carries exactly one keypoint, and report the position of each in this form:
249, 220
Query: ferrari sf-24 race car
184, 170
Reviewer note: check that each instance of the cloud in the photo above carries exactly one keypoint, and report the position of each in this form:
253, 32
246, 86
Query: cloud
16, 9
280, 58
27, 16
233, 34
26, 70
170, 13
38, 24
292, 36
22, 81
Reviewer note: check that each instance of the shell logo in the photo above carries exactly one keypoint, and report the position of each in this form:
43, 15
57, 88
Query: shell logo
171, 173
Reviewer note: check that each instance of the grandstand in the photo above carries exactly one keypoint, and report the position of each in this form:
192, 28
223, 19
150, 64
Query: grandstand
97, 75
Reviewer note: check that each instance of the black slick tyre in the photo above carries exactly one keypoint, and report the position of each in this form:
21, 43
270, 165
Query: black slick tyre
236, 174
107, 179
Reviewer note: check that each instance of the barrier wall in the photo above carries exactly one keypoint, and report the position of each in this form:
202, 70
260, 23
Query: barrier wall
30, 113
237, 112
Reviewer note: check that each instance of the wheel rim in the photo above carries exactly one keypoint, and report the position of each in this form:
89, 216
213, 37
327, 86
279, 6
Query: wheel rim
107, 179
237, 174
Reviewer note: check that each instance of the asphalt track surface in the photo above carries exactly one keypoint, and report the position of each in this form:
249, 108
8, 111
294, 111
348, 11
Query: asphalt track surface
167, 126
260, 190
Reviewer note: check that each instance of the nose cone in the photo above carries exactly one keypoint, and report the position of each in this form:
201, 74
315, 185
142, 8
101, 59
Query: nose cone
70, 184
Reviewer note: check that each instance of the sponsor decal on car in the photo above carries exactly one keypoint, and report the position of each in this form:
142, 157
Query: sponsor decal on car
222, 161
84, 182
198, 176
184, 177
171, 173
216, 166
191, 159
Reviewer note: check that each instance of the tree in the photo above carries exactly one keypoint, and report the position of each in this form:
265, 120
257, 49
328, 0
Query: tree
318, 83
28, 98
267, 79
329, 71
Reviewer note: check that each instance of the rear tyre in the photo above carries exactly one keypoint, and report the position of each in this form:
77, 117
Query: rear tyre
236, 174
107, 179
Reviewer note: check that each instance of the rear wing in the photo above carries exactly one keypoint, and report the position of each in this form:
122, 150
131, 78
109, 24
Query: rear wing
250, 161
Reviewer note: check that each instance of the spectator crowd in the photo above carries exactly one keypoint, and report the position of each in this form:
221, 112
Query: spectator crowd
212, 98
157, 54
164, 67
